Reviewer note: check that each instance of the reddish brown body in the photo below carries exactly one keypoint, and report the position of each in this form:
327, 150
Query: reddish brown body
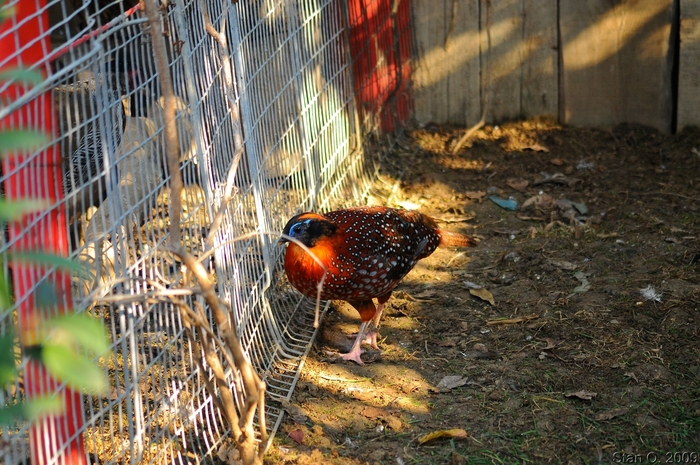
366, 251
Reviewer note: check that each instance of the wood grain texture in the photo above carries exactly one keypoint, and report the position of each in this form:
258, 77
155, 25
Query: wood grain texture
522, 63
503, 78
617, 62
540, 66
447, 79
689, 65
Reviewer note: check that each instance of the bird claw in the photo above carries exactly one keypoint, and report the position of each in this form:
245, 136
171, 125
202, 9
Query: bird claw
371, 339
354, 355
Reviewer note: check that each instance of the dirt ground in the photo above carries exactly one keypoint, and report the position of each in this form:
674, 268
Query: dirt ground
590, 350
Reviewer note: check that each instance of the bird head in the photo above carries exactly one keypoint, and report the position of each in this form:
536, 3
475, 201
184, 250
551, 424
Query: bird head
308, 228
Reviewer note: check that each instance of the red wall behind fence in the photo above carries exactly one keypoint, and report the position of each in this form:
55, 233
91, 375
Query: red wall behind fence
55, 438
380, 47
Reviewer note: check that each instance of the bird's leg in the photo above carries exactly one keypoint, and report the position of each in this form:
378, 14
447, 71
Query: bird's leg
356, 350
372, 335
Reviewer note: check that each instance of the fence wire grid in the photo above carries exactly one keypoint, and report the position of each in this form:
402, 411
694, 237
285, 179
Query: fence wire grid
319, 88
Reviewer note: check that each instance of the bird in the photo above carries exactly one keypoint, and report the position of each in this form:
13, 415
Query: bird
77, 104
365, 251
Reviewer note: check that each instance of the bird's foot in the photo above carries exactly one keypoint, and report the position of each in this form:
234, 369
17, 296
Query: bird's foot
371, 339
354, 355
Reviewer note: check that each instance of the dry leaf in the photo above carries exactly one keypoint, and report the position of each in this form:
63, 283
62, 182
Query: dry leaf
483, 294
542, 202
518, 184
372, 413
556, 161
582, 394
297, 435
612, 413
425, 294
448, 433
296, 413
563, 264
537, 148
551, 344
476, 195
450, 382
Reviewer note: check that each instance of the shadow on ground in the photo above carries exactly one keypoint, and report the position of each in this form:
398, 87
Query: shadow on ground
590, 352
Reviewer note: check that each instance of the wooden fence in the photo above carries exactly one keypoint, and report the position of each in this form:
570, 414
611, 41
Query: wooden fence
587, 63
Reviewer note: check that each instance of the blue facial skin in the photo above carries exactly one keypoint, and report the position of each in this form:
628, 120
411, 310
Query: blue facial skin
299, 229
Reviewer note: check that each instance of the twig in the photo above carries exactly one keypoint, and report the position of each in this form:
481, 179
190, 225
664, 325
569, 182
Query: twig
243, 425
694, 199
453, 20
253, 386
155, 29
220, 37
512, 321
319, 287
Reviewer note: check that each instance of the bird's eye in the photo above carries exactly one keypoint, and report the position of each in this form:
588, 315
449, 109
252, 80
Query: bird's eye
299, 228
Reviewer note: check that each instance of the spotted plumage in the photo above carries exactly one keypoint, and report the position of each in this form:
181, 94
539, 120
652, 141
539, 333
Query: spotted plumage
366, 252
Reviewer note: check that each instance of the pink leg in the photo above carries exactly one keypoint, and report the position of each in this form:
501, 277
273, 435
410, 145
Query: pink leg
356, 350
378, 316
371, 337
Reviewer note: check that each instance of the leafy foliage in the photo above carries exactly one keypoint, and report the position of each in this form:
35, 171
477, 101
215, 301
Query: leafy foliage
67, 345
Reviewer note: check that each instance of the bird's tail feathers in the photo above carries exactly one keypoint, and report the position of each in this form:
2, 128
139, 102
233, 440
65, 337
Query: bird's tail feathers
450, 239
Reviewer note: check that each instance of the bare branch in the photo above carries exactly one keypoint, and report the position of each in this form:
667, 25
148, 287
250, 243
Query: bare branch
155, 22
220, 37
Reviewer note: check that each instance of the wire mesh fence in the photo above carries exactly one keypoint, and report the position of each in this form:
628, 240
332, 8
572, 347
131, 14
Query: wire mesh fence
290, 112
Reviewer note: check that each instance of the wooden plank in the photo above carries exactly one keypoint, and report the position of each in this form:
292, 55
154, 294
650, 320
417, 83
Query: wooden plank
540, 65
446, 78
502, 31
689, 65
616, 62
523, 60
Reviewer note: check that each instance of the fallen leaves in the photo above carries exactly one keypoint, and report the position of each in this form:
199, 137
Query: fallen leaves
296, 413
582, 394
297, 436
583, 279
483, 294
387, 417
372, 413
612, 413
450, 382
518, 184
457, 433
476, 195
536, 148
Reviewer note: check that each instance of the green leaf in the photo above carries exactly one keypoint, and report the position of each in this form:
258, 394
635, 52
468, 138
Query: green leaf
9, 415
6, 11
21, 139
30, 411
86, 331
8, 369
76, 370
48, 258
5, 294
29, 76
13, 211
42, 406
